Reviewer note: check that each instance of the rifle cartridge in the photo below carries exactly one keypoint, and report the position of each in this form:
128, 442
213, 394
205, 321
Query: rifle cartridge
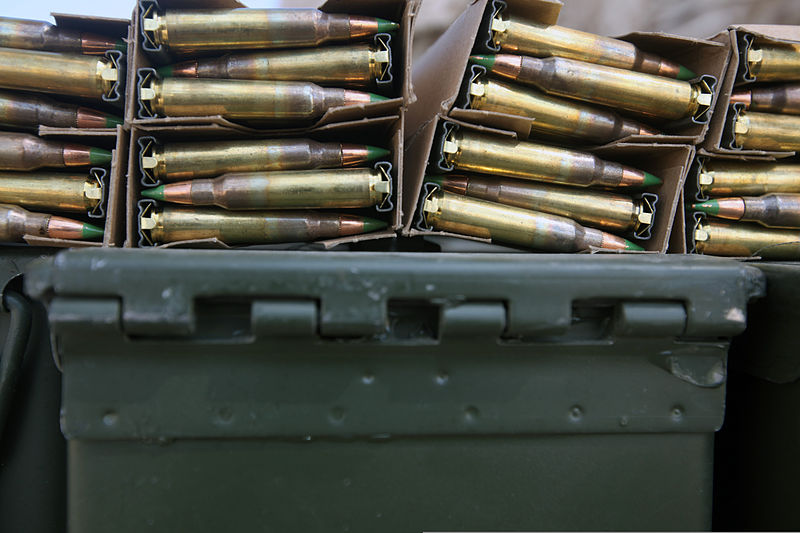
446, 211
767, 131
781, 99
52, 191
774, 210
554, 116
171, 224
16, 222
21, 151
725, 178
53, 72
29, 111
182, 161
774, 63
488, 154
294, 189
530, 38
39, 35
197, 30
608, 211
358, 65
741, 239
245, 99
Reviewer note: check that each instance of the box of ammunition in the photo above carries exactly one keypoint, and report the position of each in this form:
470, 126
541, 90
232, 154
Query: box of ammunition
605, 102
342, 62
347, 168
627, 189
759, 99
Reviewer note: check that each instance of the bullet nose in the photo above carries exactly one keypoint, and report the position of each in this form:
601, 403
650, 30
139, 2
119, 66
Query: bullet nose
99, 157
90, 231
375, 153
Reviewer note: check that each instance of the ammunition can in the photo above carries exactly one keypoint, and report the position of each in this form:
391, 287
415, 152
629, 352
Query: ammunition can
727, 178
767, 131
52, 72
741, 239
55, 191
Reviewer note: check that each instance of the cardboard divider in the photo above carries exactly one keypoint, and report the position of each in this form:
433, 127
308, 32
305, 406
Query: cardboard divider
114, 181
386, 132
401, 11
716, 139
670, 162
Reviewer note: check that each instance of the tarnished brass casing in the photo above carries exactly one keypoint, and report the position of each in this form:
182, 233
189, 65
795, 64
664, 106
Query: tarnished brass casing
51, 190
52, 72
727, 178
742, 239
29, 111
774, 63
16, 222
767, 131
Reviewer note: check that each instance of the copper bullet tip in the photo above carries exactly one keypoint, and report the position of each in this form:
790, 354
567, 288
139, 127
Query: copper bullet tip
354, 154
186, 69
178, 193
364, 26
356, 97
742, 97
89, 118
455, 184
92, 44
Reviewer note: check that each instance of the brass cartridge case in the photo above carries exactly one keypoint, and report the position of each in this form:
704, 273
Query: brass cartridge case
741, 239
554, 116
726, 178
358, 65
466, 150
16, 222
766, 131
298, 189
39, 35
652, 96
21, 151
51, 190
526, 37
609, 211
29, 111
197, 30
171, 224
182, 161
781, 99
245, 99
774, 63
531, 229
53, 72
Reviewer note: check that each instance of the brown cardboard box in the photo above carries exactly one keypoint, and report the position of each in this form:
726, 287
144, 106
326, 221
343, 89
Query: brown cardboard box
717, 139
402, 11
380, 131
114, 222
670, 162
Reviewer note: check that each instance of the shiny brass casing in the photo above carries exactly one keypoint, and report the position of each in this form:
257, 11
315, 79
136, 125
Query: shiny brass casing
741, 239
52, 191
767, 131
731, 178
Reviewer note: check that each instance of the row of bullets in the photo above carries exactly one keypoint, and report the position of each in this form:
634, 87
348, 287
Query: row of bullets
281, 65
576, 85
762, 201
44, 175
764, 115
534, 195
250, 192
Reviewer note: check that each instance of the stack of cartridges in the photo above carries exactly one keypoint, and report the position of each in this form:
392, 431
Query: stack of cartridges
747, 208
548, 189
766, 104
279, 67
41, 179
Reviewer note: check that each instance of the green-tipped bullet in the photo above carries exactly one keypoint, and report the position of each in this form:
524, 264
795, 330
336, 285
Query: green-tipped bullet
685, 74
156, 193
436, 180
375, 153
122, 46
632, 247
651, 180
167, 71
99, 157
372, 224
385, 26
112, 121
90, 231
376, 98
710, 207
484, 61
